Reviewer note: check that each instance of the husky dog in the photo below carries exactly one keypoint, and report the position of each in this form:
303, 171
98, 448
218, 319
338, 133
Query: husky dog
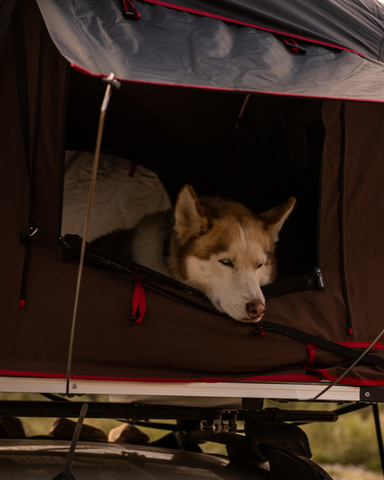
215, 245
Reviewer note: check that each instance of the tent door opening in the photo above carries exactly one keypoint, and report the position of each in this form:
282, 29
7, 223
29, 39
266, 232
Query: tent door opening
258, 150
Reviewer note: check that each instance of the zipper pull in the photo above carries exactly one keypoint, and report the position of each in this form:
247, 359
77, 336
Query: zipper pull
293, 46
320, 280
130, 11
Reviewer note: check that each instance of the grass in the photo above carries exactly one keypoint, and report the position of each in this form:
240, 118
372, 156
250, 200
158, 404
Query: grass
351, 440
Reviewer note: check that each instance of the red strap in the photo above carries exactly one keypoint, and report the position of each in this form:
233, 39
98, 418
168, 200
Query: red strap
139, 304
131, 10
293, 46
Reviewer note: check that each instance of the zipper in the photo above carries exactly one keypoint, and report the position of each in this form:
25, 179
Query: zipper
31, 157
319, 201
341, 218
63, 149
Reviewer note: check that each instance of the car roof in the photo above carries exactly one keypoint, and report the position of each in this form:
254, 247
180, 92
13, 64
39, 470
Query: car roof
44, 458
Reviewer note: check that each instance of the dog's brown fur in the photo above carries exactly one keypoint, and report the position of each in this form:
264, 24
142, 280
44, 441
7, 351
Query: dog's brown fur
215, 245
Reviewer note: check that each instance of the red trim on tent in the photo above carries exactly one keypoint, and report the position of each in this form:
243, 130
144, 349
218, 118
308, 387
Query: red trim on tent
346, 380
245, 24
311, 357
352, 344
221, 89
357, 382
317, 376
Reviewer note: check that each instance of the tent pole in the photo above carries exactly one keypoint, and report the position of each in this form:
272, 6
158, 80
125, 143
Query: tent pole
111, 83
376, 415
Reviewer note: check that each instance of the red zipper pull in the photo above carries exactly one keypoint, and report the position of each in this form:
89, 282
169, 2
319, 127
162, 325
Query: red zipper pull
293, 46
130, 11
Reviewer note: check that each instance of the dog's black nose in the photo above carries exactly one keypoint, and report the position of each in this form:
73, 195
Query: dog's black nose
255, 309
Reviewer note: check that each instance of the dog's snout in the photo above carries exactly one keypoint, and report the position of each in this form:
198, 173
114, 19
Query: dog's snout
255, 309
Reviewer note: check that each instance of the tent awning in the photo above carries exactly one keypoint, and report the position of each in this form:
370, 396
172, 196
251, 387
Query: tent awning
345, 24
173, 47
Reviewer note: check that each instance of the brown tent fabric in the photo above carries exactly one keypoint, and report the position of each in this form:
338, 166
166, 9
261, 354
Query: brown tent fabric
20, 99
175, 341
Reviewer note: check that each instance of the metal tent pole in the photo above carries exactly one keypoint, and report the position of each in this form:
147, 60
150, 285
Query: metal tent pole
376, 416
111, 83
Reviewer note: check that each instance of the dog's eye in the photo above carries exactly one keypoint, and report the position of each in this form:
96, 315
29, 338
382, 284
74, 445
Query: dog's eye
227, 262
260, 265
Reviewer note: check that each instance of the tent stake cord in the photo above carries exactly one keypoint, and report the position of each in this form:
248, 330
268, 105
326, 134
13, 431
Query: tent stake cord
111, 83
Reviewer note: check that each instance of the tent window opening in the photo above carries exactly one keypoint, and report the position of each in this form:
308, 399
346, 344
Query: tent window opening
158, 138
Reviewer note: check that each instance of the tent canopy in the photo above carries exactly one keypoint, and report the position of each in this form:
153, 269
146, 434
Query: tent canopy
169, 46
345, 24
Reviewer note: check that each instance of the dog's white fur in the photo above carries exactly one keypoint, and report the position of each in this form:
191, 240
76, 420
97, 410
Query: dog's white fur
215, 245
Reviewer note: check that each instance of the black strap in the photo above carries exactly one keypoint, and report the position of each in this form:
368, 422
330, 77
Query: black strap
30, 157
265, 326
114, 263
22, 91
149, 277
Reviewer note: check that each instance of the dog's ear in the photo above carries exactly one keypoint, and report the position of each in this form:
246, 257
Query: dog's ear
274, 219
189, 217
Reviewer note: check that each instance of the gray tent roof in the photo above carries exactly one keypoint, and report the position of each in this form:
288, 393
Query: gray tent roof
169, 46
346, 24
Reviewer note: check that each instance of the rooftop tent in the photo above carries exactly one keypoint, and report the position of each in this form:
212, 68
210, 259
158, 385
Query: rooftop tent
186, 78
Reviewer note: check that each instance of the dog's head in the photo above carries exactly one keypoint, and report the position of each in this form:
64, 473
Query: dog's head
222, 249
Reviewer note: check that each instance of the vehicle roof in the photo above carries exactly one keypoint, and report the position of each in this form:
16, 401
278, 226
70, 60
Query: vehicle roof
44, 458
